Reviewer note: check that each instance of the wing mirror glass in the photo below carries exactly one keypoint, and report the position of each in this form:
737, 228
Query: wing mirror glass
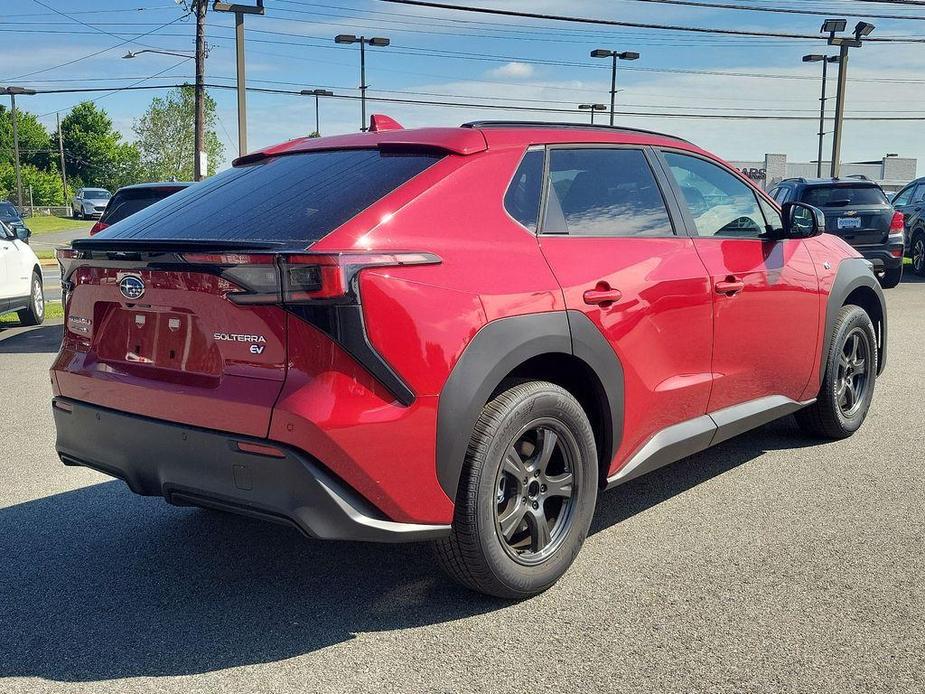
23, 234
802, 221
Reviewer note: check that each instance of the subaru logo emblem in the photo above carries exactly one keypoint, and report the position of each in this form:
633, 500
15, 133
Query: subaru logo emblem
131, 287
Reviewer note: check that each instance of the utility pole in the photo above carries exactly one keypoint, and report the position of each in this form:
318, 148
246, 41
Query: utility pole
825, 60
13, 91
605, 53
199, 135
239, 12
61, 154
832, 27
379, 41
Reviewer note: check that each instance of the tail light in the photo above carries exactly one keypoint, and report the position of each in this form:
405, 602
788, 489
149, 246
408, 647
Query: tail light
300, 278
897, 224
97, 228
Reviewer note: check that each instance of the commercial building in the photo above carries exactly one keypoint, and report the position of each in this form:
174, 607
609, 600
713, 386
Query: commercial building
892, 172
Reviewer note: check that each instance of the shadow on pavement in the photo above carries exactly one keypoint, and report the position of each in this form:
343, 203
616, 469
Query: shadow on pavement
45, 339
101, 584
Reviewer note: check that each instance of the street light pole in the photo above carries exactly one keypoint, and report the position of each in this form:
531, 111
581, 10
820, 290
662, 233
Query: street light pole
317, 93
592, 108
13, 91
832, 27
614, 55
363, 41
241, 78
825, 60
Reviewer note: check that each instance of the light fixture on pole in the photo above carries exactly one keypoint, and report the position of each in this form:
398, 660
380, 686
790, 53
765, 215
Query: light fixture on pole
592, 108
615, 56
13, 91
861, 31
133, 54
239, 12
378, 41
825, 60
317, 93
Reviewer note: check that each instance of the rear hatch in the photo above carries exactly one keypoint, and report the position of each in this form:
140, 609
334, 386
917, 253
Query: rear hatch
858, 212
179, 312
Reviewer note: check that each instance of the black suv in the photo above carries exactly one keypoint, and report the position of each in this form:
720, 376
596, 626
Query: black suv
10, 215
911, 202
858, 211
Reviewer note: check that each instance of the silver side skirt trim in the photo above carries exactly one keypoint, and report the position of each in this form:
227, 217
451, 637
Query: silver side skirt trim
686, 438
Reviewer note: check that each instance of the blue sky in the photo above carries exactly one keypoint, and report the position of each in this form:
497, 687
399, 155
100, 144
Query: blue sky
452, 56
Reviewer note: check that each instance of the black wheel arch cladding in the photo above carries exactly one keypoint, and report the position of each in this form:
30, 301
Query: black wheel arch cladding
854, 274
498, 349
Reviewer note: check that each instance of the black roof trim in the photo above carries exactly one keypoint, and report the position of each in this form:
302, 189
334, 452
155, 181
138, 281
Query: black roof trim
573, 126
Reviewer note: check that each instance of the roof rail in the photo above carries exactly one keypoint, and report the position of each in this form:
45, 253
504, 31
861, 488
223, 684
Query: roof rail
557, 124
796, 179
859, 177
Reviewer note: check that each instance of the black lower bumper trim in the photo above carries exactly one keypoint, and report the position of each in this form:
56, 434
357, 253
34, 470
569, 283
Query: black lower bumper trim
882, 258
191, 466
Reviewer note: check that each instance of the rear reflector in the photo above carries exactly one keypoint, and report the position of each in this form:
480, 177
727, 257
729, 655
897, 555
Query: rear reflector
259, 449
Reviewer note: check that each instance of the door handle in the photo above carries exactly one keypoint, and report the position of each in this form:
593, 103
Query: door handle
729, 286
602, 295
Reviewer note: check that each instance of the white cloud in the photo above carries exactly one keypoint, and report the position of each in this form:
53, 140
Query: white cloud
516, 70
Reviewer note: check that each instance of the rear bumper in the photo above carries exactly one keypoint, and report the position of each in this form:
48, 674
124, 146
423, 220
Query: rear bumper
882, 256
191, 466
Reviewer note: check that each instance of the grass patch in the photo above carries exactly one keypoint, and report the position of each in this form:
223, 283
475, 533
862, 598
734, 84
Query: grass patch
53, 309
47, 224
45, 255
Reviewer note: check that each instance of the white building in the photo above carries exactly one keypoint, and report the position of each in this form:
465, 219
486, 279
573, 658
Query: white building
892, 172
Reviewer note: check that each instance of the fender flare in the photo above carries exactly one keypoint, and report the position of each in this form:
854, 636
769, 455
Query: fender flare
852, 274
496, 350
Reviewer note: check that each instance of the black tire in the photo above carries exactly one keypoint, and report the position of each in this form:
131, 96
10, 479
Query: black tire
549, 433
891, 278
840, 410
35, 314
917, 252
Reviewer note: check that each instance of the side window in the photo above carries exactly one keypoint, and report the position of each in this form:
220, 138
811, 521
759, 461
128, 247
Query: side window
782, 195
904, 196
522, 200
604, 192
720, 203
919, 194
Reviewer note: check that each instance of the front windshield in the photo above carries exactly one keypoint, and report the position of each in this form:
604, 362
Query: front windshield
97, 194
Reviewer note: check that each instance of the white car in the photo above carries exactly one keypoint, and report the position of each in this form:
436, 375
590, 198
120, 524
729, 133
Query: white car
21, 287
89, 203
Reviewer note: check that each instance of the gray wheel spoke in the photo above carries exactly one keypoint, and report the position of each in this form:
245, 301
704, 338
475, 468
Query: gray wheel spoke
855, 340
539, 530
860, 365
547, 447
513, 464
510, 520
559, 485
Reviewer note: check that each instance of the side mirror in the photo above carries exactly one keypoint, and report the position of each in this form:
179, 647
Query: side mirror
802, 221
23, 234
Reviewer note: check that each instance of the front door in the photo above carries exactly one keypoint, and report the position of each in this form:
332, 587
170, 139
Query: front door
607, 234
765, 293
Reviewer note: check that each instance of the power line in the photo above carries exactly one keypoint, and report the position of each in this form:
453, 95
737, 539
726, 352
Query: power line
635, 25
779, 10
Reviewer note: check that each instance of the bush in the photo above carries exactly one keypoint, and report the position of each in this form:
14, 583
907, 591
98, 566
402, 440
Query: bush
46, 185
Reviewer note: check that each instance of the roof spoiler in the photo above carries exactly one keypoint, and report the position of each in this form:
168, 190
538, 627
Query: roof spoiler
379, 122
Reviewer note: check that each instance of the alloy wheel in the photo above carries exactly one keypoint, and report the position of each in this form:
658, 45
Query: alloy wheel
535, 491
38, 298
851, 381
918, 254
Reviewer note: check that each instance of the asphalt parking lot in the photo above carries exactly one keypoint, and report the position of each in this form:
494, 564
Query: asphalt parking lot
772, 563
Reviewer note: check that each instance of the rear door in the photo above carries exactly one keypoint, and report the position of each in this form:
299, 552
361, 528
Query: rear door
857, 212
610, 240
765, 293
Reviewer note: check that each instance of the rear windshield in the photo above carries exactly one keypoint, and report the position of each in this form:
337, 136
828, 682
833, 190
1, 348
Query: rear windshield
296, 198
128, 202
843, 196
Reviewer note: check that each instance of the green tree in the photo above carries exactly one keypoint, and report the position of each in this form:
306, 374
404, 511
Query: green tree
94, 150
46, 184
165, 135
34, 141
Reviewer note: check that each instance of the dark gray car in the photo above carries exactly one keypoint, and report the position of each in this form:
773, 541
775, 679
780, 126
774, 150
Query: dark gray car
911, 202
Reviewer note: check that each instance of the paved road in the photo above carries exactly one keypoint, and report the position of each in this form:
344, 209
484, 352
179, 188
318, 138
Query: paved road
44, 242
51, 279
770, 564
